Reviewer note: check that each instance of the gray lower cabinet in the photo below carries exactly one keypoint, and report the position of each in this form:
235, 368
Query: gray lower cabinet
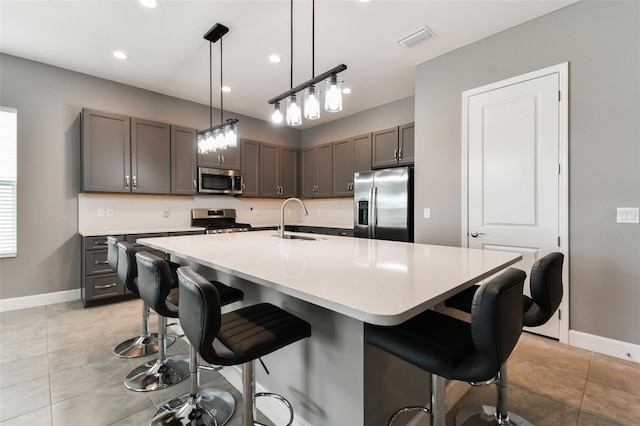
250, 168
99, 281
317, 171
394, 146
324, 231
278, 171
340, 232
184, 161
123, 154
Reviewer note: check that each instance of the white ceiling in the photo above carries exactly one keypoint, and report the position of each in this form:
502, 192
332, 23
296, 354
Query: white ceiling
167, 52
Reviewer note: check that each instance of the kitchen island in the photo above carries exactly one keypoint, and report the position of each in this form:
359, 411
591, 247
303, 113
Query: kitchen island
336, 284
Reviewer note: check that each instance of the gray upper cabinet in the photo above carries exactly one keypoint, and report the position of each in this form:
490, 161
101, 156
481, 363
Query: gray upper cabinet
277, 171
106, 152
183, 161
350, 156
406, 143
250, 168
342, 168
123, 154
317, 171
228, 158
394, 146
150, 157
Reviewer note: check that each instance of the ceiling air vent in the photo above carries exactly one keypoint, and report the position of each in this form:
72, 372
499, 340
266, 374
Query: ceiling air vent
415, 37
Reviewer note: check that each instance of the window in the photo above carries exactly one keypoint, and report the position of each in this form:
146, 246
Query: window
8, 181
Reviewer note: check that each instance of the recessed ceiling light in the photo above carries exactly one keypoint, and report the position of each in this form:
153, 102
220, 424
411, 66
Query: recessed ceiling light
415, 37
275, 58
364, 1
346, 90
226, 89
152, 4
120, 54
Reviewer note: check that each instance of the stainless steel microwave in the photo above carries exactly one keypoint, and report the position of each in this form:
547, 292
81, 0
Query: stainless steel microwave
219, 181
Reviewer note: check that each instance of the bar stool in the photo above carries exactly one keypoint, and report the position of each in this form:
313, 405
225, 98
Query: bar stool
545, 284
156, 288
452, 349
237, 337
121, 257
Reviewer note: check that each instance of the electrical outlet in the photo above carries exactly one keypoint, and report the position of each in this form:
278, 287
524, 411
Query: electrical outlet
109, 212
100, 212
427, 213
166, 212
628, 215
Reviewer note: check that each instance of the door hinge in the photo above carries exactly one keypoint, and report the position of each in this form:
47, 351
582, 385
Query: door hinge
558, 241
559, 314
559, 168
559, 96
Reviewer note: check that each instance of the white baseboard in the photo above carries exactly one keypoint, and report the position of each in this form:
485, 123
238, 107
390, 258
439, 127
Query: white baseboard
38, 300
605, 346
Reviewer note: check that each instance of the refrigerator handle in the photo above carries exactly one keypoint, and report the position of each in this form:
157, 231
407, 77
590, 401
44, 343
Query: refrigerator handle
373, 217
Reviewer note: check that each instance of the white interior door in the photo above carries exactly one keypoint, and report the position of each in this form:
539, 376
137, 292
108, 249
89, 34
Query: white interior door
513, 171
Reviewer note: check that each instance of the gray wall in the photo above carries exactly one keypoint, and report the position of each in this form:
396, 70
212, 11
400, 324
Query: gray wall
48, 100
601, 42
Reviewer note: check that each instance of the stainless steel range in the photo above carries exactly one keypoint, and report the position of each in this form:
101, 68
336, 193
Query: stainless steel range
218, 221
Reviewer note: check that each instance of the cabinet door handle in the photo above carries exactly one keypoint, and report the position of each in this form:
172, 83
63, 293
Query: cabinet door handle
194, 185
243, 187
222, 158
395, 154
135, 182
400, 154
126, 181
100, 262
102, 287
100, 243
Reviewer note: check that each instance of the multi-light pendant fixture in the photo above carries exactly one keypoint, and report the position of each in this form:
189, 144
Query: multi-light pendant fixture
311, 93
223, 135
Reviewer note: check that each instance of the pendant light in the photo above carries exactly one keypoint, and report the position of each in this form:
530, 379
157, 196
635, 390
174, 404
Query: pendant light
309, 89
223, 135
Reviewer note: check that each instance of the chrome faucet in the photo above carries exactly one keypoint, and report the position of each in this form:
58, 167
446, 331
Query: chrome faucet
284, 203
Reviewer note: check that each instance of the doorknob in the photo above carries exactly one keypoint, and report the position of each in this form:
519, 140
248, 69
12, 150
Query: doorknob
475, 234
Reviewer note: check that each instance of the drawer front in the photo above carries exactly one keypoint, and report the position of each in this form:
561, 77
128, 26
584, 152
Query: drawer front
177, 234
95, 262
340, 232
97, 243
101, 286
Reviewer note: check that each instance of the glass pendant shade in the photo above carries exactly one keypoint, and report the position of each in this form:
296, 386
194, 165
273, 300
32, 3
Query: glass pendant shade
219, 139
209, 142
333, 97
294, 114
231, 138
277, 115
311, 103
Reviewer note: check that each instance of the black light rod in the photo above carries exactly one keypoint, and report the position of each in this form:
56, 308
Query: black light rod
311, 82
219, 126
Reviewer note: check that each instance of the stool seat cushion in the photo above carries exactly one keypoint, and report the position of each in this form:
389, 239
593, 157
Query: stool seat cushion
254, 331
455, 349
227, 295
462, 301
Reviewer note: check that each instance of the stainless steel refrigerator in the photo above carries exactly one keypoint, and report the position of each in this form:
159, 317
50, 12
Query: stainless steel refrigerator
384, 204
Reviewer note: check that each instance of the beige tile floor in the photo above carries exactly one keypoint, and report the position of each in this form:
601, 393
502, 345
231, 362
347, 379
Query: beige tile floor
57, 368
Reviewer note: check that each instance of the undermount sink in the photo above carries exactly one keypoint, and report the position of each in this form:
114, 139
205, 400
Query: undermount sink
298, 237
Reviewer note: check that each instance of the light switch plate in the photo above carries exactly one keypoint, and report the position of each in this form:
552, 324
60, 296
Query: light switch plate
628, 215
427, 213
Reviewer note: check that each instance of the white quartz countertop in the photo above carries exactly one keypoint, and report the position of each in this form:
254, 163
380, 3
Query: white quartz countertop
375, 281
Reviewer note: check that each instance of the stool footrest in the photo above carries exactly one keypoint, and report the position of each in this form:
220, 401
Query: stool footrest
282, 400
409, 409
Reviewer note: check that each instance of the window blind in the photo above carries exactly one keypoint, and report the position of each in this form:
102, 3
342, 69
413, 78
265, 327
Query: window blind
8, 181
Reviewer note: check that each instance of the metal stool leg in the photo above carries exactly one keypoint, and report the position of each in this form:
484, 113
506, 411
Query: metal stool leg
143, 345
198, 407
438, 409
161, 373
487, 415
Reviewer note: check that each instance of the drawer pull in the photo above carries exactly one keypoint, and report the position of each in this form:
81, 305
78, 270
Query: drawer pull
100, 243
102, 287
100, 262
